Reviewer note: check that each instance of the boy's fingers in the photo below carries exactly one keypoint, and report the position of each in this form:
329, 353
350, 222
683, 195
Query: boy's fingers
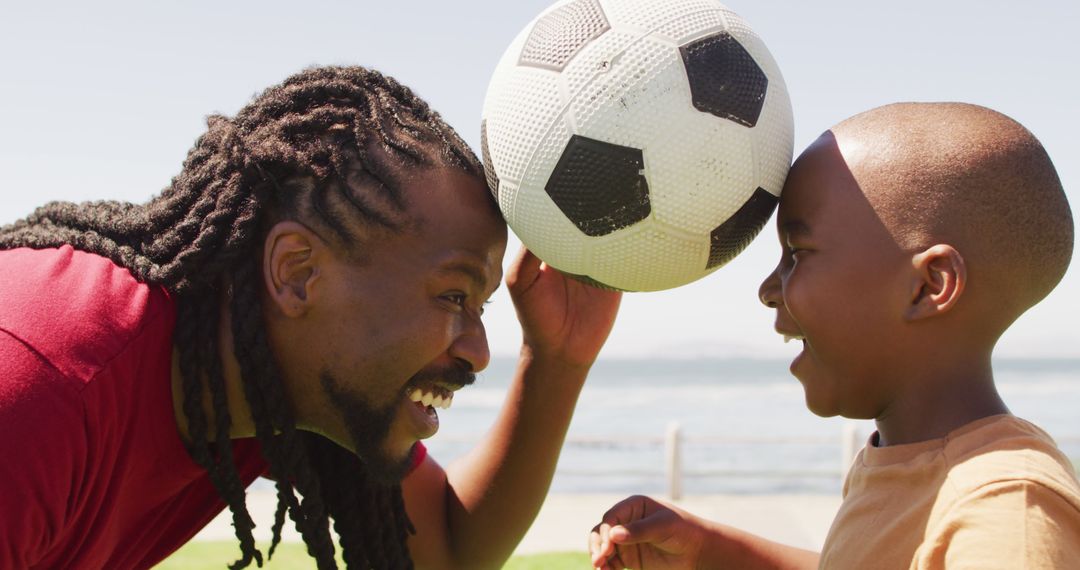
617, 530
600, 546
628, 509
648, 529
595, 544
619, 534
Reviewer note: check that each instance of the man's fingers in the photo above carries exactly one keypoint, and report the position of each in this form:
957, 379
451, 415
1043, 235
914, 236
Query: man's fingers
524, 270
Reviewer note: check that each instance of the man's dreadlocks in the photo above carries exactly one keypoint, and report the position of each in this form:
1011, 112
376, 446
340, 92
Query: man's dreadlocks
286, 155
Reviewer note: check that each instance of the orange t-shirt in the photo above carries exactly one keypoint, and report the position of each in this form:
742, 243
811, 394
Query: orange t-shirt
996, 493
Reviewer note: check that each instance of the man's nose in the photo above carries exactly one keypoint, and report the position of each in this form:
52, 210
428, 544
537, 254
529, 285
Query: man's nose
471, 346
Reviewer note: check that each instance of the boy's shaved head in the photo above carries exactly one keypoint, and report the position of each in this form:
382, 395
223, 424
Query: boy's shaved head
972, 178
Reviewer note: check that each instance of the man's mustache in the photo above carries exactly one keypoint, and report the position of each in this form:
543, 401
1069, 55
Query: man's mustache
458, 375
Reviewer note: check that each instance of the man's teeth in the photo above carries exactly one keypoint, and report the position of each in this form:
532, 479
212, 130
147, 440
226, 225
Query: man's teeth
431, 399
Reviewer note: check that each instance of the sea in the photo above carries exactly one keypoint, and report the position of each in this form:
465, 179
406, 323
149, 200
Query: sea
740, 426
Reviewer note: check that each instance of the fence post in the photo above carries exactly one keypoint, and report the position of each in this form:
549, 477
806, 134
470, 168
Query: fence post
849, 446
673, 451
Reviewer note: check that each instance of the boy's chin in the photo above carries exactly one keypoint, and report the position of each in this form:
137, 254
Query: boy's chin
821, 410
819, 403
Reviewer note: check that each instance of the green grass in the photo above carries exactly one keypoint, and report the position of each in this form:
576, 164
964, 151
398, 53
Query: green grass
549, 561
200, 555
217, 555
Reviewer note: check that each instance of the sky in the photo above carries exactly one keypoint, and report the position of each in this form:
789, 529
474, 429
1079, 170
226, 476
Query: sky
102, 100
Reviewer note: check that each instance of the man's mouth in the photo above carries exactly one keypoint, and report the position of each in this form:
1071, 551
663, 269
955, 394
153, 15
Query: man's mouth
429, 391
424, 401
432, 396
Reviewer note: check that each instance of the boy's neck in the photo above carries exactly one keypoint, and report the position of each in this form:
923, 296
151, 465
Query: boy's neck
939, 400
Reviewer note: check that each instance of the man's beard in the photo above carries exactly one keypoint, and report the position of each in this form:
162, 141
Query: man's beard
368, 426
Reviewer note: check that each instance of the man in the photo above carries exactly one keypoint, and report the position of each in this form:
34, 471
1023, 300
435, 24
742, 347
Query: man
296, 303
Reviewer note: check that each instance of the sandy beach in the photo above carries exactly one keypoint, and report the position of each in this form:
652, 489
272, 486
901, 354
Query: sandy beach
565, 519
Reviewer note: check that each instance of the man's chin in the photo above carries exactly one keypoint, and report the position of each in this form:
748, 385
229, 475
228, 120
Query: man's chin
384, 468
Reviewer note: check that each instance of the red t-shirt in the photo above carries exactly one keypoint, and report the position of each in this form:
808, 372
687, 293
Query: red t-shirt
93, 471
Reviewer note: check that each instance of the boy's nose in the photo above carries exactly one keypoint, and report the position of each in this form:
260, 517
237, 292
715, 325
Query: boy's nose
769, 291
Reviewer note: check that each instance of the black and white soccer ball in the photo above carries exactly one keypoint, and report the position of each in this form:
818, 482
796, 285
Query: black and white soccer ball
637, 144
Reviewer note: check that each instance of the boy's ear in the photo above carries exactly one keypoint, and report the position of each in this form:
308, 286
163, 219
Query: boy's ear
290, 266
939, 278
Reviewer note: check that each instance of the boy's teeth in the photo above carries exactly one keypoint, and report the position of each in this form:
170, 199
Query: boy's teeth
437, 402
427, 399
416, 395
788, 338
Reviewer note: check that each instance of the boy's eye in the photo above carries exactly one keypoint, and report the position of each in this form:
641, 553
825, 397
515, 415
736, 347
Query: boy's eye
793, 249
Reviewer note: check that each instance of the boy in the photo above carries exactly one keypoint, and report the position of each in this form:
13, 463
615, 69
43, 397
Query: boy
913, 235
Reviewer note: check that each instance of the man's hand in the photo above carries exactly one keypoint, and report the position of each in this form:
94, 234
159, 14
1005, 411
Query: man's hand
639, 532
473, 514
562, 319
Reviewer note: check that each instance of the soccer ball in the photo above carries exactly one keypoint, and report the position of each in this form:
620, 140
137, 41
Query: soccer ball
637, 144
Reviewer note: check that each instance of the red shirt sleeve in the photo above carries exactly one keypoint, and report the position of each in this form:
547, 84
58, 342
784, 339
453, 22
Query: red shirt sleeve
42, 453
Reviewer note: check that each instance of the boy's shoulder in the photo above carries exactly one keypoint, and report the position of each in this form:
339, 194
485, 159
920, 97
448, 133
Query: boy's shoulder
1007, 452
996, 493
1010, 499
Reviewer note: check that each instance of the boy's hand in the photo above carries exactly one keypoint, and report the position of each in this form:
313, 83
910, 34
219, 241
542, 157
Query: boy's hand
561, 318
639, 532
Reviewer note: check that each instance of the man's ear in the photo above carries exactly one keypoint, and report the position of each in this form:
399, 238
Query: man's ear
290, 266
938, 280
